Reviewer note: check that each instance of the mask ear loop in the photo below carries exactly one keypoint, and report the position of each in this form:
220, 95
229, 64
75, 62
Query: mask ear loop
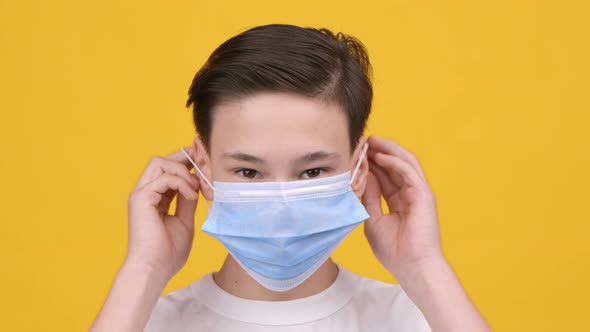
358, 163
201, 175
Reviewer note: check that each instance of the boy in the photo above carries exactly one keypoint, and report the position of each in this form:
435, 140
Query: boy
280, 111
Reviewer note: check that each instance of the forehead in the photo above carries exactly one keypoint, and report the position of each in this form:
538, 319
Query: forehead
278, 123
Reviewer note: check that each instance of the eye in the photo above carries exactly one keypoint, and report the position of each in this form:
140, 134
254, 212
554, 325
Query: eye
312, 173
248, 173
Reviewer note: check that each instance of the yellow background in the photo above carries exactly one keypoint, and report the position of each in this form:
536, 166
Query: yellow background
491, 96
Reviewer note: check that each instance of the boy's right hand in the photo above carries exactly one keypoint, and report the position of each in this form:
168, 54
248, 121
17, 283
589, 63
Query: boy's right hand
158, 241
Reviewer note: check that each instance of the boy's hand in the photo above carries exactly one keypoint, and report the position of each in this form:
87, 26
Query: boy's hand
407, 238
158, 241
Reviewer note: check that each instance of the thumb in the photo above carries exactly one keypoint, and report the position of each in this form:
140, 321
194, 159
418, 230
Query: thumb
372, 198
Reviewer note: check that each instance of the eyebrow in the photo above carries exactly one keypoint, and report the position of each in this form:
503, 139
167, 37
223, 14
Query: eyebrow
307, 158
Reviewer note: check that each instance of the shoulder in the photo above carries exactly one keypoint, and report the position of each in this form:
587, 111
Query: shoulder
173, 309
376, 291
380, 301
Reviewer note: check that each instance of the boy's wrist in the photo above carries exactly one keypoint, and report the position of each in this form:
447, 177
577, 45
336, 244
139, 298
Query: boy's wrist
410, 273
144, 274
425, 277
135, 291
434, 287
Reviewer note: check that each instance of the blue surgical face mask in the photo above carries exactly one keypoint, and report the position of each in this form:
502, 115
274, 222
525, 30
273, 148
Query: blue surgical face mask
282, 232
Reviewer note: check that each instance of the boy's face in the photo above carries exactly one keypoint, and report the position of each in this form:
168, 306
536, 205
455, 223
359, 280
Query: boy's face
278, 137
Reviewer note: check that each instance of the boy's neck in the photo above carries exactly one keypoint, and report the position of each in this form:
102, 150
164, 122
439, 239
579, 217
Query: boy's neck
233, 279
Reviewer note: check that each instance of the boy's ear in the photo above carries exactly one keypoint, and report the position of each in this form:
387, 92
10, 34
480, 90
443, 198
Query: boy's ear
360, 181
202, 160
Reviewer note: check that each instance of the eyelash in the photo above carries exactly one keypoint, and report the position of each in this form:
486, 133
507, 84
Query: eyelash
241, 170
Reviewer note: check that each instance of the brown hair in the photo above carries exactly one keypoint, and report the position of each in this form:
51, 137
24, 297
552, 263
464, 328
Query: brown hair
286, 58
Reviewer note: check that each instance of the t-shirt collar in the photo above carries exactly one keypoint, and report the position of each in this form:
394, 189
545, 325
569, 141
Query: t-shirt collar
290, 312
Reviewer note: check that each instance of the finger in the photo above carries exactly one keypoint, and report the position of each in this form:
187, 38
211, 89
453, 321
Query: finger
165, 201
372, 198
396, 178
164, 183
185, 211
389, 189
396, 165
179, 156
389, 147
389, 183
159, 166
392, 190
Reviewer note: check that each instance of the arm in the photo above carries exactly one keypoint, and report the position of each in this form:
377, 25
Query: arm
159, 243
133, 296
435, 289
407, 239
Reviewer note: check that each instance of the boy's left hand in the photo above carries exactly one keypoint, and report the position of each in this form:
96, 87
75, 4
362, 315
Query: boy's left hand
407, 238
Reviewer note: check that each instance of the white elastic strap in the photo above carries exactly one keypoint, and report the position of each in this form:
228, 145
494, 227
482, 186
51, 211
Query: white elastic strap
358, 164
207, 203
198, 170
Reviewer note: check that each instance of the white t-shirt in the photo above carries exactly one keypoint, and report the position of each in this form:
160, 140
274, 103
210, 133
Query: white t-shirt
350, 303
